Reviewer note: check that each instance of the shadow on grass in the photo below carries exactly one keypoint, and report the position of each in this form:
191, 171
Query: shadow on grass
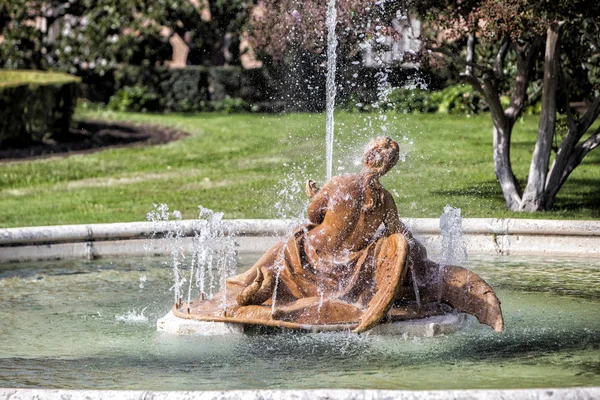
487, 190
579, 194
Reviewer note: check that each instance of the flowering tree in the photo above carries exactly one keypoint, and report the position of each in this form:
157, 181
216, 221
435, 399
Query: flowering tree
525, 48
280, 26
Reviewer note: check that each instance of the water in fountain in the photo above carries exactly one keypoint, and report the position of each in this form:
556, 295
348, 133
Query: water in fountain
331, 89
454, 251
551, 306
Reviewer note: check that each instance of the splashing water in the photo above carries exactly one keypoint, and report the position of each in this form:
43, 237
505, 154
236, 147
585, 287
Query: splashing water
169, 222
213, 255
331, 89
132, 317
454, 250
213, 248
143, 279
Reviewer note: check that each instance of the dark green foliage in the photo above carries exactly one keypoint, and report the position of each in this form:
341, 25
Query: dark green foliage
455, 99
412, 101
35, 106
230, 105
190, 89
133, 98
101, 35
459, 99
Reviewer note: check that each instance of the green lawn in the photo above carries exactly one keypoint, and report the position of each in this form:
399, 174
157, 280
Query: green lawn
242, 165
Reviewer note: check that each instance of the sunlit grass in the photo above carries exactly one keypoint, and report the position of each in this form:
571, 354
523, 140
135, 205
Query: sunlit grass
238, 164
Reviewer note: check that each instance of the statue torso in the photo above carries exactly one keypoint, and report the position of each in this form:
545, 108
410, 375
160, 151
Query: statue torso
354, 213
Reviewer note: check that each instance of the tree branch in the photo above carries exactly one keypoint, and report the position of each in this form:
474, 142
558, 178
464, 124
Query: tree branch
525, 59
493, 99
592, 142
461, 60
474, 81
499, 60
590, 116
580, 151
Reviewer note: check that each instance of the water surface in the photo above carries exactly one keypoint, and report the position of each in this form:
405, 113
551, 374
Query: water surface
76, 324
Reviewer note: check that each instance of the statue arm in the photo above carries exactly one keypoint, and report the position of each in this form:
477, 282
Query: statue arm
391, 220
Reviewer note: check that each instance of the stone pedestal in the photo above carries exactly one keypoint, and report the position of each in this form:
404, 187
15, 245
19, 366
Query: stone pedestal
425, 327
180, 326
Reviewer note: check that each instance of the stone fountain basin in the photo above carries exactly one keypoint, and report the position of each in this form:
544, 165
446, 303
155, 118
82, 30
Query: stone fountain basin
71, 338
483, 236
86, 324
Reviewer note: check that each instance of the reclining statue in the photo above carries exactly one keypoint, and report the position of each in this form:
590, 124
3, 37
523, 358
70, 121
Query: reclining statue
353, 266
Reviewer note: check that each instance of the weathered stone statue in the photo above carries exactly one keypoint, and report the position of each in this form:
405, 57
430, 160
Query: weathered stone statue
353, 266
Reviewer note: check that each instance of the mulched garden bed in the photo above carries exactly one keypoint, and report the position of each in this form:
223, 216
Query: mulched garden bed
91, 135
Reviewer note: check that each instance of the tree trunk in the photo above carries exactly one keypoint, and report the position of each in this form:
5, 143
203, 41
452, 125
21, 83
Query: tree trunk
534, 198
501, 141
570, 154
502, 165
504, 121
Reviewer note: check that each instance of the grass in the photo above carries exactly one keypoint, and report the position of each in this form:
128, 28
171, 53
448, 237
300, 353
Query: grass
254, 166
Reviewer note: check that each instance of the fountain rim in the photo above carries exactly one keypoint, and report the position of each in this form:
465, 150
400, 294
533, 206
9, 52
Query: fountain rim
501, 236
486, 394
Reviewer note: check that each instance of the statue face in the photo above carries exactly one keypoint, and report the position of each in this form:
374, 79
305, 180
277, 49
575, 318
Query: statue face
381, 155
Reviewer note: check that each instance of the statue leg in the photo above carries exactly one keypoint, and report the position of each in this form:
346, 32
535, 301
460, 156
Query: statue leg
260, 290
390, 273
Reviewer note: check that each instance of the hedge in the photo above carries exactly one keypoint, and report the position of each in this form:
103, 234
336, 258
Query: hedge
35, 105
194, 88
272, 88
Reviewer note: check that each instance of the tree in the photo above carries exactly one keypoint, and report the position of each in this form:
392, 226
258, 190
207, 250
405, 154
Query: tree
80, 34
99, 35
290, 36
504, 47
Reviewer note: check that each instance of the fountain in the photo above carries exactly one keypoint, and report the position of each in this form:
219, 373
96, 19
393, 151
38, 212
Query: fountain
352, 266
377, 275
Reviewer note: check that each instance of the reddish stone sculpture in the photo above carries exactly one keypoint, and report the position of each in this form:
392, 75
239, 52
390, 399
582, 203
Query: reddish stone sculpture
353, 266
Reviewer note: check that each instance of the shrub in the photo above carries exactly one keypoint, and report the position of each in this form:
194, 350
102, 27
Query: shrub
35, 105
133, 98
190, 89
413, 101
456, 99
459, 99
230, 105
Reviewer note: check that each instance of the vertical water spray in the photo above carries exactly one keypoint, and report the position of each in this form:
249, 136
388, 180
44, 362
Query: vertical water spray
453, 246
214, 248
213, 258
331, 89
454, 250
170, 224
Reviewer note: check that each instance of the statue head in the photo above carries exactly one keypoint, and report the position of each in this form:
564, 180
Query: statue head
381, 154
